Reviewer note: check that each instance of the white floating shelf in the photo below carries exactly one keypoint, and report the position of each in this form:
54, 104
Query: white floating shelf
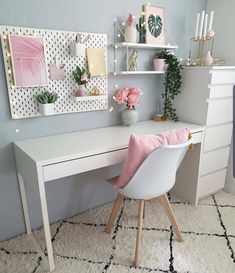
147, 46
138, 72
88, 98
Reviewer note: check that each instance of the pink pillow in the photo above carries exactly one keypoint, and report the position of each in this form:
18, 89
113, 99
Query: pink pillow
140, 146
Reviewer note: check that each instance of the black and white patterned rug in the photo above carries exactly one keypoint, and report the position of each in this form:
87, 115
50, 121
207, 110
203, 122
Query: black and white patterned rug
80, 245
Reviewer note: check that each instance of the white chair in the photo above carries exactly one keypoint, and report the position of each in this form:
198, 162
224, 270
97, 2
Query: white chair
153, 179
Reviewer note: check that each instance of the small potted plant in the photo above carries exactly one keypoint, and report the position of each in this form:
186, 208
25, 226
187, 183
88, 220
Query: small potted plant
130, 96
159, 61
82, 77
46, 102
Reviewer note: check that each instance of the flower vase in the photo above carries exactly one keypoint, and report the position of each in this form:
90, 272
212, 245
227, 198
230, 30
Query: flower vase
129, 117
81, 91
130, 34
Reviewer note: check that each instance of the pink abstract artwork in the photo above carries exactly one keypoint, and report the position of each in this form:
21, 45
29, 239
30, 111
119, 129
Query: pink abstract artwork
28, 61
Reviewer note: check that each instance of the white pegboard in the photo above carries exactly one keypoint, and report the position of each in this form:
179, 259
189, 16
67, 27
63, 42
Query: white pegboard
22, 100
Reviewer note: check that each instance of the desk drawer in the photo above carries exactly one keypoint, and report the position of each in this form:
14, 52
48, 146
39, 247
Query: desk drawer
219, 136
220, 111
220, 91
211, 183
221, 77
81, 165
215, 160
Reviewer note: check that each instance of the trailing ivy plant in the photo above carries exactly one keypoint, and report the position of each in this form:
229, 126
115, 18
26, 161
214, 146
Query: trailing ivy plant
172, 83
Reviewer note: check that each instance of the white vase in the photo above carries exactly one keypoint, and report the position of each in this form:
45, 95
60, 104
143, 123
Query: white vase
129, 117
46, 109
130, 34
77, 49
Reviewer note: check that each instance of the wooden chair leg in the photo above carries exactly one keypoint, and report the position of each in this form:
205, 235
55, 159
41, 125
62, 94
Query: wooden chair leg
144, 211
139, 231
114, 212
168, 209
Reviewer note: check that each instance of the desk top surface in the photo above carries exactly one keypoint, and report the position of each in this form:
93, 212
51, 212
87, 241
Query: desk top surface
62, 147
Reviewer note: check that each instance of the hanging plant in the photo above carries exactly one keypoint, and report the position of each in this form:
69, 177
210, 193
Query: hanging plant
172, 83
155, 25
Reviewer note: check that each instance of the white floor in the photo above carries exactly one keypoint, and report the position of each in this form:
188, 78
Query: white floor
80, 245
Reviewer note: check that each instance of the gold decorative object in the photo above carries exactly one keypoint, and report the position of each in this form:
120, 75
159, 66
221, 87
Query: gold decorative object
203, 41
203, 45
95, 91
132, 61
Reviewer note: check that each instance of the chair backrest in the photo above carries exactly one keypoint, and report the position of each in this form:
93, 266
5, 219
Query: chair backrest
156, 175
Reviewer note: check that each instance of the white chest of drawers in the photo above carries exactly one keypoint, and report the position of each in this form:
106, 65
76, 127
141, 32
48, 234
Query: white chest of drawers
206, 98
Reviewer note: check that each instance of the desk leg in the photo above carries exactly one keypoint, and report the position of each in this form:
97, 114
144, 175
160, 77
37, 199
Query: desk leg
24, 203
45, 218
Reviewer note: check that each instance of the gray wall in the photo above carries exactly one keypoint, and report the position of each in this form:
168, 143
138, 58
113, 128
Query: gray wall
78, 193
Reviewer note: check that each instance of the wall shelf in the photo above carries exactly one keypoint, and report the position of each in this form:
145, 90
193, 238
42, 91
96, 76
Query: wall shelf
125, 54
144, 46
88, 98
138, 72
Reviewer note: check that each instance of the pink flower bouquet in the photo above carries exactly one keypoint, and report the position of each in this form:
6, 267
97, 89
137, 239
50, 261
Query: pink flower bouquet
129, 96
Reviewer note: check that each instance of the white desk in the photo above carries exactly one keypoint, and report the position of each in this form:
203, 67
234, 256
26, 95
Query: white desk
40, 160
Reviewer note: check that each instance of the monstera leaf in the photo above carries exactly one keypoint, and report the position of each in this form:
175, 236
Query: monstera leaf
155, 25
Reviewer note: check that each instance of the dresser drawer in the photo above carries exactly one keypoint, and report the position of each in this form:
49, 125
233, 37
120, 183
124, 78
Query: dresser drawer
211, 183
81, 165
218, 136
221, 77
220, 91
220, 111
215, 160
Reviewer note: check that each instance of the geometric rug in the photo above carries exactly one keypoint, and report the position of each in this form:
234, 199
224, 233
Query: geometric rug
80, 245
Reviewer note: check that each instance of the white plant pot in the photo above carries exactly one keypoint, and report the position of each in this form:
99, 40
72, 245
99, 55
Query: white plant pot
130, 34
46, 109
77, 49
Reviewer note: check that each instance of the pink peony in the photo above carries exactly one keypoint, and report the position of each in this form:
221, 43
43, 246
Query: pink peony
121, 96
129, 96
132, 101
135, 91
84, 78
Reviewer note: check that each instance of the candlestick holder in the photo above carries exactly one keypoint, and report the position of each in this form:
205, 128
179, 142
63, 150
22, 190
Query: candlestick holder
200, 46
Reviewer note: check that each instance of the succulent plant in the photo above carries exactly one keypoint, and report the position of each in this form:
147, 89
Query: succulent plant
47, 97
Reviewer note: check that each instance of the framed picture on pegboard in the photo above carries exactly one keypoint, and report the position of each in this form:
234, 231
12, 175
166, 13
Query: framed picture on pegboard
28, 61
154, 22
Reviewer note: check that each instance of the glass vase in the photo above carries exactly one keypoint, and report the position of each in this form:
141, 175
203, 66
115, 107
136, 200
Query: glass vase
129, 117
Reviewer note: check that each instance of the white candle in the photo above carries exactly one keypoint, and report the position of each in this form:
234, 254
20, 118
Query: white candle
211, 20
205, 26
197, 26
201, 24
